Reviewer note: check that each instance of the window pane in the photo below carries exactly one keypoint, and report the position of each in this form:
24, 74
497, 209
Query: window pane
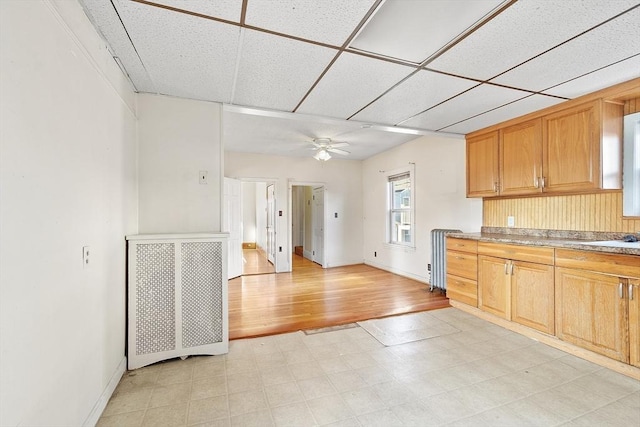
401, 226
401, 194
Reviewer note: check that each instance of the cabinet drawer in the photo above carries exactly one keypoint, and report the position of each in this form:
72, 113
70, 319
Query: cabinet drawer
619, 265
462, 264
462, 245
463, 290
517, 252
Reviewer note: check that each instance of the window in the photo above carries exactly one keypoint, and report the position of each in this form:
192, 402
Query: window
400, 209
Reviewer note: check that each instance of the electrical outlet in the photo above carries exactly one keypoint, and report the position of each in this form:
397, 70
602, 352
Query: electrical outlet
375, 254
85, 256
428, 267
511, 221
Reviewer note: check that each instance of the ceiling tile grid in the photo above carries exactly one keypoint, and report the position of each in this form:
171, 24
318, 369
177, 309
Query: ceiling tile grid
104, 16
614, 41
352, 82
475, 101
276, 72
525, 29
607, 76
506, 112
186, 56
418, 93
229, 10
326, 21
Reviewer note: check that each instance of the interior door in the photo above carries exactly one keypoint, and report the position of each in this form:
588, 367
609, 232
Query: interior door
318, 225
232, 224
271, 220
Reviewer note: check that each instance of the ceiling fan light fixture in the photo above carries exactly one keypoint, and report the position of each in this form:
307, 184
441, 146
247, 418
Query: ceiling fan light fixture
323, 155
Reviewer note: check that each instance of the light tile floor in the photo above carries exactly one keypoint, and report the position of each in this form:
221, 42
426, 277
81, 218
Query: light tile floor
482, 376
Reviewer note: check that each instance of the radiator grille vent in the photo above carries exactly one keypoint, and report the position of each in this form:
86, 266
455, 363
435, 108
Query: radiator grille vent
439, 257
155, 287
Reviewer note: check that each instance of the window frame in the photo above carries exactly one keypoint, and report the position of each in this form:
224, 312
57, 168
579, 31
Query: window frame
390, 177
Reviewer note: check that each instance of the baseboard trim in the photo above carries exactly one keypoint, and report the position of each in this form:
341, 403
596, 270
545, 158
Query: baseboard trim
99, 406
308, 255
552, 341
402, 273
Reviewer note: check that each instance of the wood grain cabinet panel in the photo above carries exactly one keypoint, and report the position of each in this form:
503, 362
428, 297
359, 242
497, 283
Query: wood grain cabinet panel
633, 288
462, 270
482, 165
591, 312
494, 292
532, 296
521, 158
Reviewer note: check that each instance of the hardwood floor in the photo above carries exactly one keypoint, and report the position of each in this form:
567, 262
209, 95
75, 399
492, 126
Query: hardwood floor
311, 297
254, 261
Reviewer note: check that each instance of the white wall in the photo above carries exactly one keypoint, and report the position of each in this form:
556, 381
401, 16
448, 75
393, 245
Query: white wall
439, 196
249, 212
68, 175
343, 194
177, 139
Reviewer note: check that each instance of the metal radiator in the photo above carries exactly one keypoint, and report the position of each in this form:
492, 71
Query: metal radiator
439, 258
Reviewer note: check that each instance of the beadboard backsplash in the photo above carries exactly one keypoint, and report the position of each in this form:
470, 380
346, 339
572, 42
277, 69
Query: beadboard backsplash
583, 212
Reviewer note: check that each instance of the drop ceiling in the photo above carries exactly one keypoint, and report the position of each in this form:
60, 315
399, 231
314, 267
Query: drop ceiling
372, 73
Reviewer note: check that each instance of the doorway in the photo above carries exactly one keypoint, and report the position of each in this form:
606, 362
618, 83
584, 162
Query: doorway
307, 224
258, 227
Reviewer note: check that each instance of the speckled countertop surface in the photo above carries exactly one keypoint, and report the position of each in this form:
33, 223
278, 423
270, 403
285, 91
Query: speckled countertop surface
551, 238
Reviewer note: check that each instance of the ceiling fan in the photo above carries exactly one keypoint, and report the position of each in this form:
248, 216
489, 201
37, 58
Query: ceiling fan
324, 146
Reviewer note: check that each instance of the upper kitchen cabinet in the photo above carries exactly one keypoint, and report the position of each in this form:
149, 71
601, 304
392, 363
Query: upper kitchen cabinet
574, 147
582, 148
482, 165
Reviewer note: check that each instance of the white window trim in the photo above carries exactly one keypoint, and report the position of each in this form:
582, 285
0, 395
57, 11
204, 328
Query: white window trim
410, 169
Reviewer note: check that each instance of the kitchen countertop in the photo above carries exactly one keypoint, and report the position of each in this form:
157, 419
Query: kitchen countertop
551, 238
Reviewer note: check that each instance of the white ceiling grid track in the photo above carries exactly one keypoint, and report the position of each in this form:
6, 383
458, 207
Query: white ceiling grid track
309, 69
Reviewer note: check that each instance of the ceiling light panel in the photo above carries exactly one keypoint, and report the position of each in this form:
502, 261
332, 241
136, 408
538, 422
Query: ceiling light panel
107, 22
229, 10
327, 21
614, 41
276, 72
608, 76
351, 83
414, 30
186, 56
475, 101
419, 92
524, 30
506, 112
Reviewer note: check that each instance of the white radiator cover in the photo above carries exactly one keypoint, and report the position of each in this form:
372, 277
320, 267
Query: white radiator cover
177, 297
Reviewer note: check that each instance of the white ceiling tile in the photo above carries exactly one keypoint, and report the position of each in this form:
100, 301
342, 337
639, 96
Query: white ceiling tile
419, 29
351, 83
525, 29
476, 101
418, 93
276, 72
614, 41
506, 112
106, 19
327, 21
617, 73
185, 56
223, 9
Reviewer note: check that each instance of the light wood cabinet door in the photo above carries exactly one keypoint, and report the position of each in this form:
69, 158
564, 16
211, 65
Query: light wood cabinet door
591, 313
532, 296
521, 158
633, 288
494, 292
571, 149
482, 165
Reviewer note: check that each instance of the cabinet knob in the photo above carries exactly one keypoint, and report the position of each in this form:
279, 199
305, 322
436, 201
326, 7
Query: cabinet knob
621, 290
536, 182
630, 292
543, 181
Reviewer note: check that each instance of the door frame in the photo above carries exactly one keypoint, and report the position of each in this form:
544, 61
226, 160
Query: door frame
312, 184
274, 182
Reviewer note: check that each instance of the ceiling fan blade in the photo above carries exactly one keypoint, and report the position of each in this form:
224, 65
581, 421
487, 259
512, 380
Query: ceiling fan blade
338, 151
339, 144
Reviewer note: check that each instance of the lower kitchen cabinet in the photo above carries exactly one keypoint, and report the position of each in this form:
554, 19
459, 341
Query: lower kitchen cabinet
633, 289
462, 270
532, 296
494, 292
591, 311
